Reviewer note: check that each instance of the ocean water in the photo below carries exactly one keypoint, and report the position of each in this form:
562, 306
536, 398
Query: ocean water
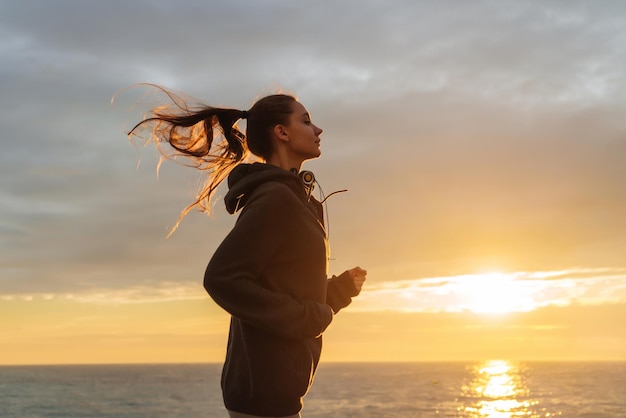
489, 389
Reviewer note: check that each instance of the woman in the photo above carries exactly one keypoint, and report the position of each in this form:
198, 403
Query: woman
270, 272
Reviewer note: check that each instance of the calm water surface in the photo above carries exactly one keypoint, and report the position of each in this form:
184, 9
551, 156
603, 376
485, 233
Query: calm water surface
491, 389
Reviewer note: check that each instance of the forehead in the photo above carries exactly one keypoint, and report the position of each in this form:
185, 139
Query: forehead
299, 109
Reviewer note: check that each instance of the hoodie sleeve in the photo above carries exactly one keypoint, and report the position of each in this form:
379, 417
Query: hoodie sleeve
340, 291
231, 278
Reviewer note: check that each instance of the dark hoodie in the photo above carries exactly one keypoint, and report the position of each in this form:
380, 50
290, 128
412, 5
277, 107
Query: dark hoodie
270, 274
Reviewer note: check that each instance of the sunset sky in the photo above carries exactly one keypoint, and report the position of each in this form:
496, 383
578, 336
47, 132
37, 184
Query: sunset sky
482, 143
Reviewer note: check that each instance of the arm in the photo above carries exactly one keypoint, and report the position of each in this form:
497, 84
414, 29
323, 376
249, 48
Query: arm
231, 277
341, 289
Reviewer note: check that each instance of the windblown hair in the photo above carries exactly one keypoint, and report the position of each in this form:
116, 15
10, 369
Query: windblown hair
209, 138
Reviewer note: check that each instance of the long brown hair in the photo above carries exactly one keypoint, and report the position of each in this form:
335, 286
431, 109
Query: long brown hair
209, 138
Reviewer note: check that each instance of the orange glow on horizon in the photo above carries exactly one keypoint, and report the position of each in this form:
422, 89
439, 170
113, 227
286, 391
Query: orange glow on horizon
547, 315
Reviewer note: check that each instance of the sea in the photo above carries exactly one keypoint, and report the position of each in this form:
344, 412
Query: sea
495, 388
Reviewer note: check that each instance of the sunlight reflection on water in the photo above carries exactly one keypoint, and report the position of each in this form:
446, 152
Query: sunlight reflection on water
499, 391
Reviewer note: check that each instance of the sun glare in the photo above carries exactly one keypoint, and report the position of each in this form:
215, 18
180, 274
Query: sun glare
494, 293
498, 390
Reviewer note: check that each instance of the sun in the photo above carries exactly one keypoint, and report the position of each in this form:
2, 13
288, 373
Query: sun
494, 293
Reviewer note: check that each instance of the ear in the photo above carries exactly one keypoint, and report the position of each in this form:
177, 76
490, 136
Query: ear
280, 132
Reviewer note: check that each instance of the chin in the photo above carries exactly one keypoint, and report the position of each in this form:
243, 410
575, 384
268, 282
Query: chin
312, 155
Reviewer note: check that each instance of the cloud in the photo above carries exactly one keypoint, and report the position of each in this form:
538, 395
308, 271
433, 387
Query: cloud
496, 292
164, 291
468, 134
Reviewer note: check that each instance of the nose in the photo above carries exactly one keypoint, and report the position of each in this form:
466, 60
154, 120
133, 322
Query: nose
318, 130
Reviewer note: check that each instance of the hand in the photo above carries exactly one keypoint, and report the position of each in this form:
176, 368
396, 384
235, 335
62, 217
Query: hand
357, 275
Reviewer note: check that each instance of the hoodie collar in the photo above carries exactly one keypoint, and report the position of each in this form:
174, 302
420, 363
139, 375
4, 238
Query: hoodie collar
245, 178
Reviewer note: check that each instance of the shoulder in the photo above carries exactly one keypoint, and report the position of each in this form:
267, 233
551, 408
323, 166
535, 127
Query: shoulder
275, 196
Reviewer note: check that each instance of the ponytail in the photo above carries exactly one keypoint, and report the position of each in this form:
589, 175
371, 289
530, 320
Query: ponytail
192, 134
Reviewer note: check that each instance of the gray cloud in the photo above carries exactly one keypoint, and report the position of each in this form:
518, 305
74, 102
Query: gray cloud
462, 129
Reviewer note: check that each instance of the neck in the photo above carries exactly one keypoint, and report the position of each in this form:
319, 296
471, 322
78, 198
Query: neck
284, 162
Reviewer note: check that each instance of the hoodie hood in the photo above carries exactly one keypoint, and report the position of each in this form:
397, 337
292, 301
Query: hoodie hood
245, 178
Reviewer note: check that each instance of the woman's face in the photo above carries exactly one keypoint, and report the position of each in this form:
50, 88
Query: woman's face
304, 136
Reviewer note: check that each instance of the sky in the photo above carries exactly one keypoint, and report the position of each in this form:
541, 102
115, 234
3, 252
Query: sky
482, 143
